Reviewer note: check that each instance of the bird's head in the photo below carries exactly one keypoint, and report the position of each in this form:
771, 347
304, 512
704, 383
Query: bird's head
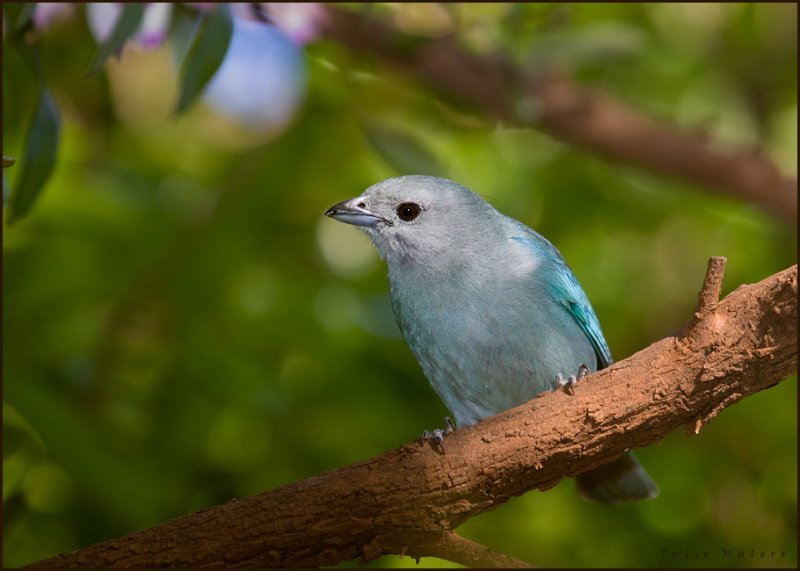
419, 219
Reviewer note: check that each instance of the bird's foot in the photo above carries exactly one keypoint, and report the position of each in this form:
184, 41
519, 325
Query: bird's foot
569, 384
439, 434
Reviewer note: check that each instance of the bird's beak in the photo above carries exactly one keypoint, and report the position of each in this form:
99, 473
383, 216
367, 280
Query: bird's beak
351, 212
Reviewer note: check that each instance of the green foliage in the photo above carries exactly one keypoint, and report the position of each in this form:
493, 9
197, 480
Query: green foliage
42, 132
182, 325
402, 152
39, 158
124, 29
205, 53
26, 10
19, 15
200, 61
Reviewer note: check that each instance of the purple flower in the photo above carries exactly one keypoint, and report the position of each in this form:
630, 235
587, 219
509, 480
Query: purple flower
47, 13
302, 21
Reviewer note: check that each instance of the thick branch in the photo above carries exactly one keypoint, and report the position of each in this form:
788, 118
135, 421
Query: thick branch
395, 503
589, 119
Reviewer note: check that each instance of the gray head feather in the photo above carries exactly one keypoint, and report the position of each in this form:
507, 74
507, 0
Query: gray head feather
450, 222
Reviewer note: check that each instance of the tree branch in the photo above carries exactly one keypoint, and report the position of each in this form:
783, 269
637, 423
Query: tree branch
408, 500
452, 547
590, 119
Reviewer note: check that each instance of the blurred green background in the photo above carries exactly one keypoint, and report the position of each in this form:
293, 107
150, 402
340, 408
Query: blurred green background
182, 325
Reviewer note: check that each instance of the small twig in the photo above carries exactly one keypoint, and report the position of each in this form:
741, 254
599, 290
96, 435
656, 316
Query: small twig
452, 547
693, 428
707, 297
712, 286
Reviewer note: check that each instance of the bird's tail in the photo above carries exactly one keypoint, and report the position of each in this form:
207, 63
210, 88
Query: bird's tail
622, 480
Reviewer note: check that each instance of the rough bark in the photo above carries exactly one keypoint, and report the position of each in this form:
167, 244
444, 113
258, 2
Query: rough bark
408, 500
589, 119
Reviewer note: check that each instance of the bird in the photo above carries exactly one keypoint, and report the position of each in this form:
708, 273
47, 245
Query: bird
488, 306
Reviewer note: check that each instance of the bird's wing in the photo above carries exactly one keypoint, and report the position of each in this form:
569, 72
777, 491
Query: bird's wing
566, 290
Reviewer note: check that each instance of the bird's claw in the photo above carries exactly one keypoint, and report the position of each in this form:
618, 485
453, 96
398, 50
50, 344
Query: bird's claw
439, 433
569, 384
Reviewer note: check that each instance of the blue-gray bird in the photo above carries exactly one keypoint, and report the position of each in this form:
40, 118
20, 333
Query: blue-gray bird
489, 307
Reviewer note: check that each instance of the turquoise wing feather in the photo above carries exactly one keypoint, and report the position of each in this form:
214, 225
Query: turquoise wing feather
567, 292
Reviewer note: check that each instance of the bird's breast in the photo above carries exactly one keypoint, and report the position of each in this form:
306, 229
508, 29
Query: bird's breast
487, 345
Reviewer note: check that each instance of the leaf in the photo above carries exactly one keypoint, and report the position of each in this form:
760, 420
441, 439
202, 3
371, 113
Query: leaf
403, 153
39, 157
25, 15
205, 54
7, 162
182, 29
11, 12
126, 26
18, 14
591, 44
13, 419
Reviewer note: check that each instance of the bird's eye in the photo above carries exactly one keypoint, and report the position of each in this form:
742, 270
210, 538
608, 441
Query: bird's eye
408, 211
